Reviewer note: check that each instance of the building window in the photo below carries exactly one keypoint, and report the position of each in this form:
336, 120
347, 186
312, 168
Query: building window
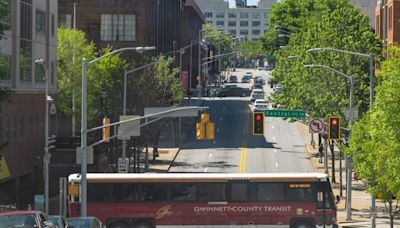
233, 32
52, 25
256, 23
244, 23
256, 15
365, 3
255, 32
208, 14
231, 15
39, 73
266, 15
5, 11
220, 23
390, 18
26, 20
65, 21
118, 27
5, 67
40, 19
25, 61
220, 15
244, 32
232, 23
244, 15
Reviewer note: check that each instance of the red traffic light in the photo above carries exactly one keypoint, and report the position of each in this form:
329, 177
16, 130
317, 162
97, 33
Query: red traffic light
334, 121
258, 117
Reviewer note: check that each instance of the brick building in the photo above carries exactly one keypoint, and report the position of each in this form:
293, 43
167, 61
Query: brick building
387, 21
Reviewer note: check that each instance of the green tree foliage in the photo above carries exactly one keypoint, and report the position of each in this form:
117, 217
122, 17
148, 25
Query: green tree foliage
336, 24
250, 49
375, 141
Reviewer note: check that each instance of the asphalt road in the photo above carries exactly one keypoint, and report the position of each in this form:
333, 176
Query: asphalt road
235, 149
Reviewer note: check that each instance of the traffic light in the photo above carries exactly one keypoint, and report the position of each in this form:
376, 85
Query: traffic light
200, 130
205, 129
334, 128
258, 123
106, 130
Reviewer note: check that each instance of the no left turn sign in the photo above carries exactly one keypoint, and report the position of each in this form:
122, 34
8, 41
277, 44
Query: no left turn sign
316, 125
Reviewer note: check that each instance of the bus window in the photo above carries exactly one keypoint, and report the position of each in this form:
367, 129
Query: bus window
154, 191
238, 192
99, 192
299, 192
270, 191
211, 192
183, 192
329, 203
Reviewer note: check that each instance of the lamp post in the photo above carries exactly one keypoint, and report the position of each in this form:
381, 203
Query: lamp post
199, 62
348, 158
371, 101
46, 158
84, 132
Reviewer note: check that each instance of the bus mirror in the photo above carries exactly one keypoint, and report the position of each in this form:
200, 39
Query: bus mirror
337, 199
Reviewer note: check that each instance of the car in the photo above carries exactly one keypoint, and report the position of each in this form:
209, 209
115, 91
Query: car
278, 88
233, 79
259, 80
59, 221
260, 105
246, 79
249, 74
261, 68
256, 94
235, 92
84, 222
257, 86
26, 219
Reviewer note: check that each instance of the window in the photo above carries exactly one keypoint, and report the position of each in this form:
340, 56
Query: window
65, 21
232, 23
26, 21
365, 3
183, 192
299, 192
25, 60
238, 192
220, 23
40, 21
233, 32
244, 23
5, 67
244, 15
118, 27
231, 15
5, 11
40, 75
244, 32
390, 18
52, 25
208, 14
256, 23
255, 32
220, 15
211, 192
256, 15
270, 191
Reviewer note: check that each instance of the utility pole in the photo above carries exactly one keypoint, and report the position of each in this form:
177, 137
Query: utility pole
73, 79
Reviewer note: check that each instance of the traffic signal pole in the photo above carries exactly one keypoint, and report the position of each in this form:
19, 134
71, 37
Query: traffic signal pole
349, 167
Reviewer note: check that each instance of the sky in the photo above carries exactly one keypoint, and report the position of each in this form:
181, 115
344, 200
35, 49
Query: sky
249, 2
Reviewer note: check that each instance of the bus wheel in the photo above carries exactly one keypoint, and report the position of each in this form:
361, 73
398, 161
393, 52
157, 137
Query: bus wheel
119, 225
302, 224
142, 224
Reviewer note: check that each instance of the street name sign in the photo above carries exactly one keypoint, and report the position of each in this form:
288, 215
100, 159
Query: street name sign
285, 113
316, 125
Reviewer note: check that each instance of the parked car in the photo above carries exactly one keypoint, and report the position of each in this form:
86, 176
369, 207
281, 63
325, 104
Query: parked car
26, 219
249, 74
260, 105
235, 92
59, 221
256, 94
246, 79
84, 222
233, 79
261, 68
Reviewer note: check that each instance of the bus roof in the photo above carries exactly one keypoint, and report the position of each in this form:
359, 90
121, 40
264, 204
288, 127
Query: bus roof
198, 177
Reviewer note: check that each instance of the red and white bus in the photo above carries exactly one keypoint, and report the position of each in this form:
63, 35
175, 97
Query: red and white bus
295, 200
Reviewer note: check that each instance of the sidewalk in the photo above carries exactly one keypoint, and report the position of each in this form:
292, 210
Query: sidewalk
361, 200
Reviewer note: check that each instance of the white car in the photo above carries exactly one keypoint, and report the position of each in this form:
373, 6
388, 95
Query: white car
260, 105
256, 94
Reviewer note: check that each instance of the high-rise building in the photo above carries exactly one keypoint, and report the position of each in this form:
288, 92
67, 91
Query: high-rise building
249, 22
32, 35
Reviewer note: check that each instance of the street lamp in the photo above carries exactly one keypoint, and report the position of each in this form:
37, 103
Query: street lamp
371, 100
46, 158
84, 132
199, 61
348, 159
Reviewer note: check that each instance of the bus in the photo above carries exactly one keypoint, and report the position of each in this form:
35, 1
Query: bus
148, 200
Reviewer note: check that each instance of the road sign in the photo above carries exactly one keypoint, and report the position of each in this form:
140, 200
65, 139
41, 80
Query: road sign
89, 151
123, 165
285, 113
316, 125
351, 114
128, 129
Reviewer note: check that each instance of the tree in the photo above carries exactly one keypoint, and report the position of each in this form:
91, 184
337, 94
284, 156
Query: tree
375, 141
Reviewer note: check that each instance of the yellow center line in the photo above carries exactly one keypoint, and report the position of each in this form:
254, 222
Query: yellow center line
243, 156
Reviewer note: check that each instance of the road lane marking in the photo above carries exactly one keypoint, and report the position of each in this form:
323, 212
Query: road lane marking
205, 170
243, 155
273, 138
210, 155
276, 164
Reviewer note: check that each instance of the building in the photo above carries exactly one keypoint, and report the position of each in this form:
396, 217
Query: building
22, 121
368, 8
248, 21
387, 19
